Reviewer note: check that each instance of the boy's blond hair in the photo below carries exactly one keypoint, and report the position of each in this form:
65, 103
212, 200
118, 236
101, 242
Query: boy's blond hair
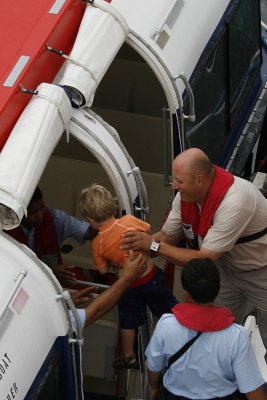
97, 202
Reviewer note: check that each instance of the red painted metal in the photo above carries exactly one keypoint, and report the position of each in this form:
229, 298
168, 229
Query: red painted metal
26, 27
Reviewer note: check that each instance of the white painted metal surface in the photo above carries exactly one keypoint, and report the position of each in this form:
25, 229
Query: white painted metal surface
180, 48
103, 141
31, 322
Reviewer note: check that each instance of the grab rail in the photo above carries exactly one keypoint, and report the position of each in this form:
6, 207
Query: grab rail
166, 180
191, 116
159, 30
85, 283
137, 173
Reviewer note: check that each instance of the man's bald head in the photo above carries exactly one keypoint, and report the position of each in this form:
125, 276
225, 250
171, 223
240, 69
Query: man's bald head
195, 161
192, 175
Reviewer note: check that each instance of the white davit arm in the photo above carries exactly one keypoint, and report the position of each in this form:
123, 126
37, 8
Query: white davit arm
28, 148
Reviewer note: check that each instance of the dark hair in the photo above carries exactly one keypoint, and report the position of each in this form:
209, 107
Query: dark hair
201, 278
37, 195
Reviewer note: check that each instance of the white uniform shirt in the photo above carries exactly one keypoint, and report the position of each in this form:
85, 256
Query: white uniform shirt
82, 316
214, 366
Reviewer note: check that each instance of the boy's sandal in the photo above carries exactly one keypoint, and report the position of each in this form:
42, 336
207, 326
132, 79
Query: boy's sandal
124, 362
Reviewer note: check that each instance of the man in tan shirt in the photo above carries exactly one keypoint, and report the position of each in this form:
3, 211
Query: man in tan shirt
239, 213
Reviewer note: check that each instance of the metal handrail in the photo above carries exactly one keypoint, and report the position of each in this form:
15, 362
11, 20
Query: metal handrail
137, 173
192, 116
85, 283
158, 31
166, 181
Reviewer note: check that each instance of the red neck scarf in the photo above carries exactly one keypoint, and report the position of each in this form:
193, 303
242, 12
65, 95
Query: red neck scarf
203, 318
200, 224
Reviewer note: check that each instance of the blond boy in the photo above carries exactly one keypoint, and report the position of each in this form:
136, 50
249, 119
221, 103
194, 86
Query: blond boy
99, 208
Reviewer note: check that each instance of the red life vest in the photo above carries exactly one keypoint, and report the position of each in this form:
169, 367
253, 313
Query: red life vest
45, 239
203, 318
195, 224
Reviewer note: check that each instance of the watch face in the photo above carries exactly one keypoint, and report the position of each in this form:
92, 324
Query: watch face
154, 246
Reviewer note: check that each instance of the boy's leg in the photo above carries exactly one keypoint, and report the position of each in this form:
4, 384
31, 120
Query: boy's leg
158, 295
132, 313
127, 338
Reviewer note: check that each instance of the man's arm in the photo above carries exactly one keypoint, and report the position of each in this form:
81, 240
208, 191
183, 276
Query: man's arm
132, 270
181, 256
141, 241
68, 226
163, 237
154, 378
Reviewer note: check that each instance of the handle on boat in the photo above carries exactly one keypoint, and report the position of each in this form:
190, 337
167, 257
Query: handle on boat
85, 283
137, 173
192, 116
165, 146
67, 297
158, 31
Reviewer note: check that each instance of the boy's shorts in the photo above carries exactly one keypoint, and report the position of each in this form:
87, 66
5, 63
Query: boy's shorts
155, 294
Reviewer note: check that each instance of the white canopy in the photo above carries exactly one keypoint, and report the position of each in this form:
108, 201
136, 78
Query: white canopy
28, 148
101, 34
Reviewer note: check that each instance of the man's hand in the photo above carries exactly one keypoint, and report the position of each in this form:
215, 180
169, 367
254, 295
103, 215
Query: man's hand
90, 233
63, 274
135, 240
82, 296
134, 267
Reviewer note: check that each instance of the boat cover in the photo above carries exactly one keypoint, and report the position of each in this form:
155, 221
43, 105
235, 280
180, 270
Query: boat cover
28, 148
101, 34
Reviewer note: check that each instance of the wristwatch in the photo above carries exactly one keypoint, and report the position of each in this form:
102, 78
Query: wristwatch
154, 246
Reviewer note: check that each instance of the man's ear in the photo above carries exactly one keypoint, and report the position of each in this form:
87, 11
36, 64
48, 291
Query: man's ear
91, 220
200, 179
188, 297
